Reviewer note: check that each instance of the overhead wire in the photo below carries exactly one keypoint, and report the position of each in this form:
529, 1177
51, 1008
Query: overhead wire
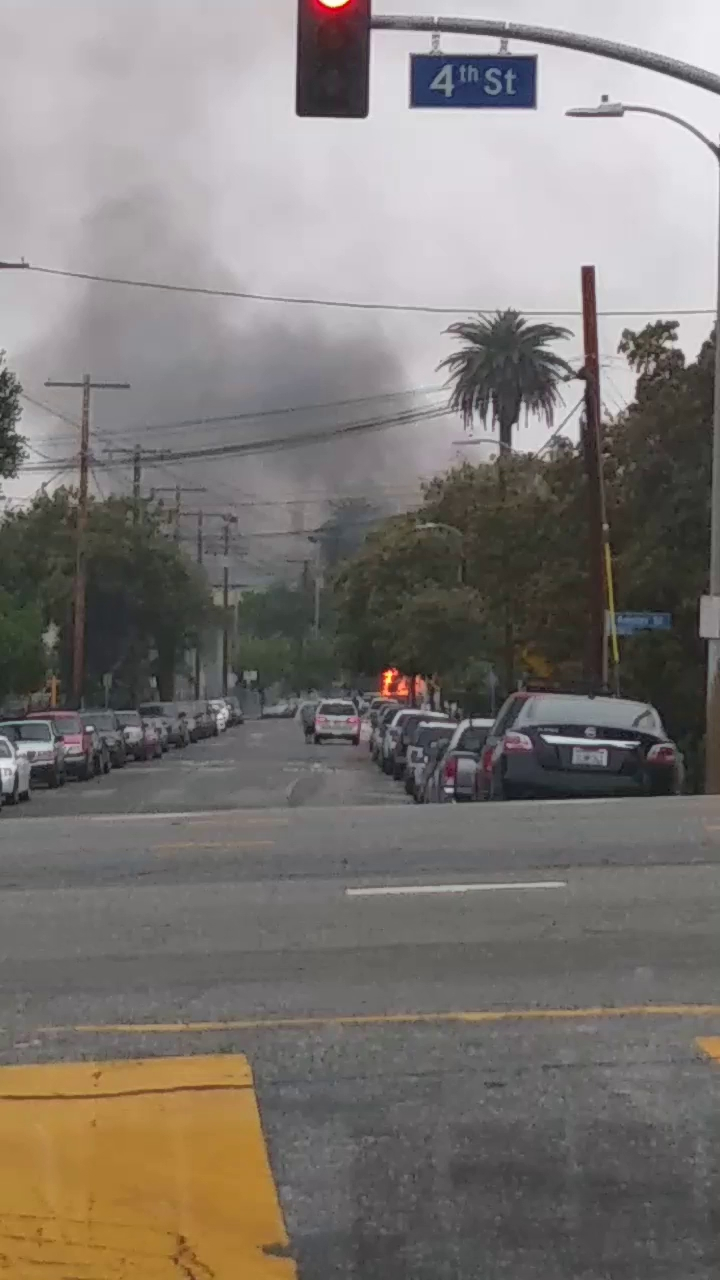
340, 303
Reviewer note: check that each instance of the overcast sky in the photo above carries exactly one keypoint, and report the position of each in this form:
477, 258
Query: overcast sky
157, 138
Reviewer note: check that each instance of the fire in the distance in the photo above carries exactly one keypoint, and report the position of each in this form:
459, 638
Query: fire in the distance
393, 684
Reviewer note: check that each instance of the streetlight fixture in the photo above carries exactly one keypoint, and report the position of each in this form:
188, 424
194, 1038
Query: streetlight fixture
437, 525
710, 611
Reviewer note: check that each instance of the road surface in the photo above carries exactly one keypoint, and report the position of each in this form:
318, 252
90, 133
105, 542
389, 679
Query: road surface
483, 1040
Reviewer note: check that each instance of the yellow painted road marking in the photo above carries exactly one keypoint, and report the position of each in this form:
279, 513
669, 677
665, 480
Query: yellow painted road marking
152, 1168
213, 844
396, 1019
710, 1046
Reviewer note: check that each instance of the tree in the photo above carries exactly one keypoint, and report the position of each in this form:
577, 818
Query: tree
145, 599
22, 654
505, 366
344, 533
12, 445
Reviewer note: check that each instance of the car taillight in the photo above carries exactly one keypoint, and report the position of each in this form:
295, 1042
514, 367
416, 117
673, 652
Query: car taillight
354, 721
321, 719
450, 770
516, 743
662, 753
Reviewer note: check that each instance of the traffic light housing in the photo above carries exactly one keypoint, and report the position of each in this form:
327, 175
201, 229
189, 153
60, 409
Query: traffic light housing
333, 64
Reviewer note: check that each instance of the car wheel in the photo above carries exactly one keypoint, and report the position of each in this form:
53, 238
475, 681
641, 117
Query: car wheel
317, 739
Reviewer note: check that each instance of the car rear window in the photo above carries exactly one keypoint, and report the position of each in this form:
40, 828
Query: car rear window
473, 738
100, 719
337, 709
434, 733
29, 731
68, 724
605, 713
129, 717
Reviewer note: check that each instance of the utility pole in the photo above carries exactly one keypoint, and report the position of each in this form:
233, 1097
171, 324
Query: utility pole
596, 651
228, 521
178, 491
80, 587
137, 481
200, 556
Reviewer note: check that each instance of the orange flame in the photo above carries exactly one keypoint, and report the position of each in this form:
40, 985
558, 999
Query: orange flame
393, 684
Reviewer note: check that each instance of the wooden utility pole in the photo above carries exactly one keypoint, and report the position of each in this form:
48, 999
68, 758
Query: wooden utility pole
178, 490
228, 521
80, 586
596, 652
200, 557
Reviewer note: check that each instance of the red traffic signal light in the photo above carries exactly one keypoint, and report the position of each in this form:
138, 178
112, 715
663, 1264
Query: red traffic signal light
333, 67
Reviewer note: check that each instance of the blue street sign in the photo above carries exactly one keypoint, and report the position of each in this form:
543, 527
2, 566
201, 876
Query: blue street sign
628, 624
440, 80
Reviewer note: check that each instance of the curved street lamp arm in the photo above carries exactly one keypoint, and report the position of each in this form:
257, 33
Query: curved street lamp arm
684, 124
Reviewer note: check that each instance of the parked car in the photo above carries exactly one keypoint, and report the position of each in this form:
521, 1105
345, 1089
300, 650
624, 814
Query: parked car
174, 717
109, 728
221, 711
15, 773
205, 721
377, 720
100, 749
453, 777
400, 732
423, 735
78, 741
134, 734
41, 742
337, 718
237, 715
152, 739
569, 744
186, 712
279, 711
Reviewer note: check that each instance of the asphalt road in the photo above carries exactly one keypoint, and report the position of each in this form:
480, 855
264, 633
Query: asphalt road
502, 1079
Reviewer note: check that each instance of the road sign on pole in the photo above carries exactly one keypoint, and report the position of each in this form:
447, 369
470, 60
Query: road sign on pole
454, 80
629, 624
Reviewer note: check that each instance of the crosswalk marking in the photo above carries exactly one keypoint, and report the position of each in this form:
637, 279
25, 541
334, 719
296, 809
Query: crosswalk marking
150, 1167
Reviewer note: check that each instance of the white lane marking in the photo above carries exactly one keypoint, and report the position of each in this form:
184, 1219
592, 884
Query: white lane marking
414, 890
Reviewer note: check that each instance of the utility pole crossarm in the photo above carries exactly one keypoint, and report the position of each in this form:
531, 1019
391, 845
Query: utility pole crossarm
630, 54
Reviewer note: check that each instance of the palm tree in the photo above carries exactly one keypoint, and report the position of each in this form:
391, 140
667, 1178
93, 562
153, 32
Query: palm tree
505, 366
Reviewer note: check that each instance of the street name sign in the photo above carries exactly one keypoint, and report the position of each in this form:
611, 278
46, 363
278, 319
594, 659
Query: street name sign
453, 80
629, 624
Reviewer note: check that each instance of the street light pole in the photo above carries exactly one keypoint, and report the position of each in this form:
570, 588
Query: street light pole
615, 110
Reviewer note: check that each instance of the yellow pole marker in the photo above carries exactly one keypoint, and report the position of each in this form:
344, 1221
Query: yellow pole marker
710, 1046
155, 1168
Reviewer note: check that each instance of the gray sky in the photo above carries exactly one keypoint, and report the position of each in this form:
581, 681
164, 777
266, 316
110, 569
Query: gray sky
157, 138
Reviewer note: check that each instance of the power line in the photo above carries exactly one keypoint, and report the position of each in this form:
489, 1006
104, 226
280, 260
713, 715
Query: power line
283, 443
343, 303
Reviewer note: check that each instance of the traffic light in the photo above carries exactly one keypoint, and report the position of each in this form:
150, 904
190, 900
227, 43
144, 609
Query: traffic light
333, 66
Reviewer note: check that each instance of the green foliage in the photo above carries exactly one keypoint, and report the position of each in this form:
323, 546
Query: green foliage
22, 654
344, 533
278, 611
12, 450
525, 540
503, 367
142, 593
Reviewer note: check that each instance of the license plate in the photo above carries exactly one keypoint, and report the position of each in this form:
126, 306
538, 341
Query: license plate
596, 757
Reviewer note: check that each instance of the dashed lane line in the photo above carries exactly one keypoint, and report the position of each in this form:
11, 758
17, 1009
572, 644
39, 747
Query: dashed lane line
421, 890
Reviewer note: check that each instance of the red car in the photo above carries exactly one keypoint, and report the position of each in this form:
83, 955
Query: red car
78, 742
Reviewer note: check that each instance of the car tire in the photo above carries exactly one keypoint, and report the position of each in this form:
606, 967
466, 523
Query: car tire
317, 739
